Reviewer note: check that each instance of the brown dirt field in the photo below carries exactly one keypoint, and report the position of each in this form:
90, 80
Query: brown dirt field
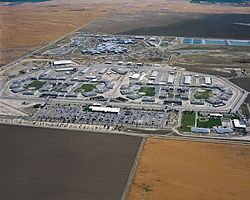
180, 170
53, 164
242, 82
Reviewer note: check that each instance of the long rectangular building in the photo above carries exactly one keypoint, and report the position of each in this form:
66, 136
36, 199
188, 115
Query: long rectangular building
105, 109
62, 62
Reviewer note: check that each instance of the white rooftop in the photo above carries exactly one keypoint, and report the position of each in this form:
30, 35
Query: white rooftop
237, 124
187, 79
62, 62
208, 80
170, 79
105, 109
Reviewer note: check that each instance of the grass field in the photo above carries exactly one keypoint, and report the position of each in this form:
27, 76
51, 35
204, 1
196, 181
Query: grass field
203, 95
86, 88
170, 95
35, 85
149, 91
188, 120
209, 122
185, 170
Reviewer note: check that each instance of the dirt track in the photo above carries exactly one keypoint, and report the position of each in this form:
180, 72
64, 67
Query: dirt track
192, 170
39, 163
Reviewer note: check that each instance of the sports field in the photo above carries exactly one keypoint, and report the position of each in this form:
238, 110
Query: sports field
208, 122
188, 120
35, 85
86, 88
149, 91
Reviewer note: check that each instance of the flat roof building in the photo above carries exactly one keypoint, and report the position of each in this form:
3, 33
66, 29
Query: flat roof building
187, 80
135, 76
238, 125
223, 130
170, 80
70, 69
200, 130
153, 75
105, 109
208, 80
62, 62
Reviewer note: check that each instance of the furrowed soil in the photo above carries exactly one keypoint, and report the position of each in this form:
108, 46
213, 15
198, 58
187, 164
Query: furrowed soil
242, 82
40, 163
199, 25
192, 170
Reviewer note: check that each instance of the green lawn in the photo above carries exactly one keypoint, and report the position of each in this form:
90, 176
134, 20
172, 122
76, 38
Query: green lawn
35, 85
57, 89
170, 95
177, 96
188, 120
86, 88
203, 95
149, 91
209, 123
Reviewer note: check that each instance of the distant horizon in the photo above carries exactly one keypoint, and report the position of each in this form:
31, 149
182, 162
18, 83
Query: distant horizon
23, 1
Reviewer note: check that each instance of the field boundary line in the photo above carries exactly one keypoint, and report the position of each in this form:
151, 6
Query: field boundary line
133, 170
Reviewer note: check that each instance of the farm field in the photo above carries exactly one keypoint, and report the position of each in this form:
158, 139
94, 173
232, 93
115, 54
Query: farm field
41, 163
34, 21
242, 82
192, 170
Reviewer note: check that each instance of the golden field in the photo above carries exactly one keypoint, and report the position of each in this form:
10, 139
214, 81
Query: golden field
180, 170
25, 27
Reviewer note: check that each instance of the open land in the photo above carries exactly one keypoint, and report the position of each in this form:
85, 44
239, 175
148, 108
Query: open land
242, 82
96, 79
192, 170
25, 27
39, 163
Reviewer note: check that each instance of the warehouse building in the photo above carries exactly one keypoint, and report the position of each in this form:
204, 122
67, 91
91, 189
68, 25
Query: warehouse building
153, 75
170, 80
222, 130
238, 125
200, 130
68, 69
208, 80
62, 62
187, 80
105, 109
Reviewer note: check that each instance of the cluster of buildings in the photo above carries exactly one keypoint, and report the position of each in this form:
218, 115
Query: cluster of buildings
228, 126
110, 45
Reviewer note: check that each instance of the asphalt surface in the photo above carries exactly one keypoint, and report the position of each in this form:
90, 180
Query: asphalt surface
40, 163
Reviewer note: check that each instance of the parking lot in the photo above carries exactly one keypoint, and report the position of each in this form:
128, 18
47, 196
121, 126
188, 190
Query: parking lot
83, 115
